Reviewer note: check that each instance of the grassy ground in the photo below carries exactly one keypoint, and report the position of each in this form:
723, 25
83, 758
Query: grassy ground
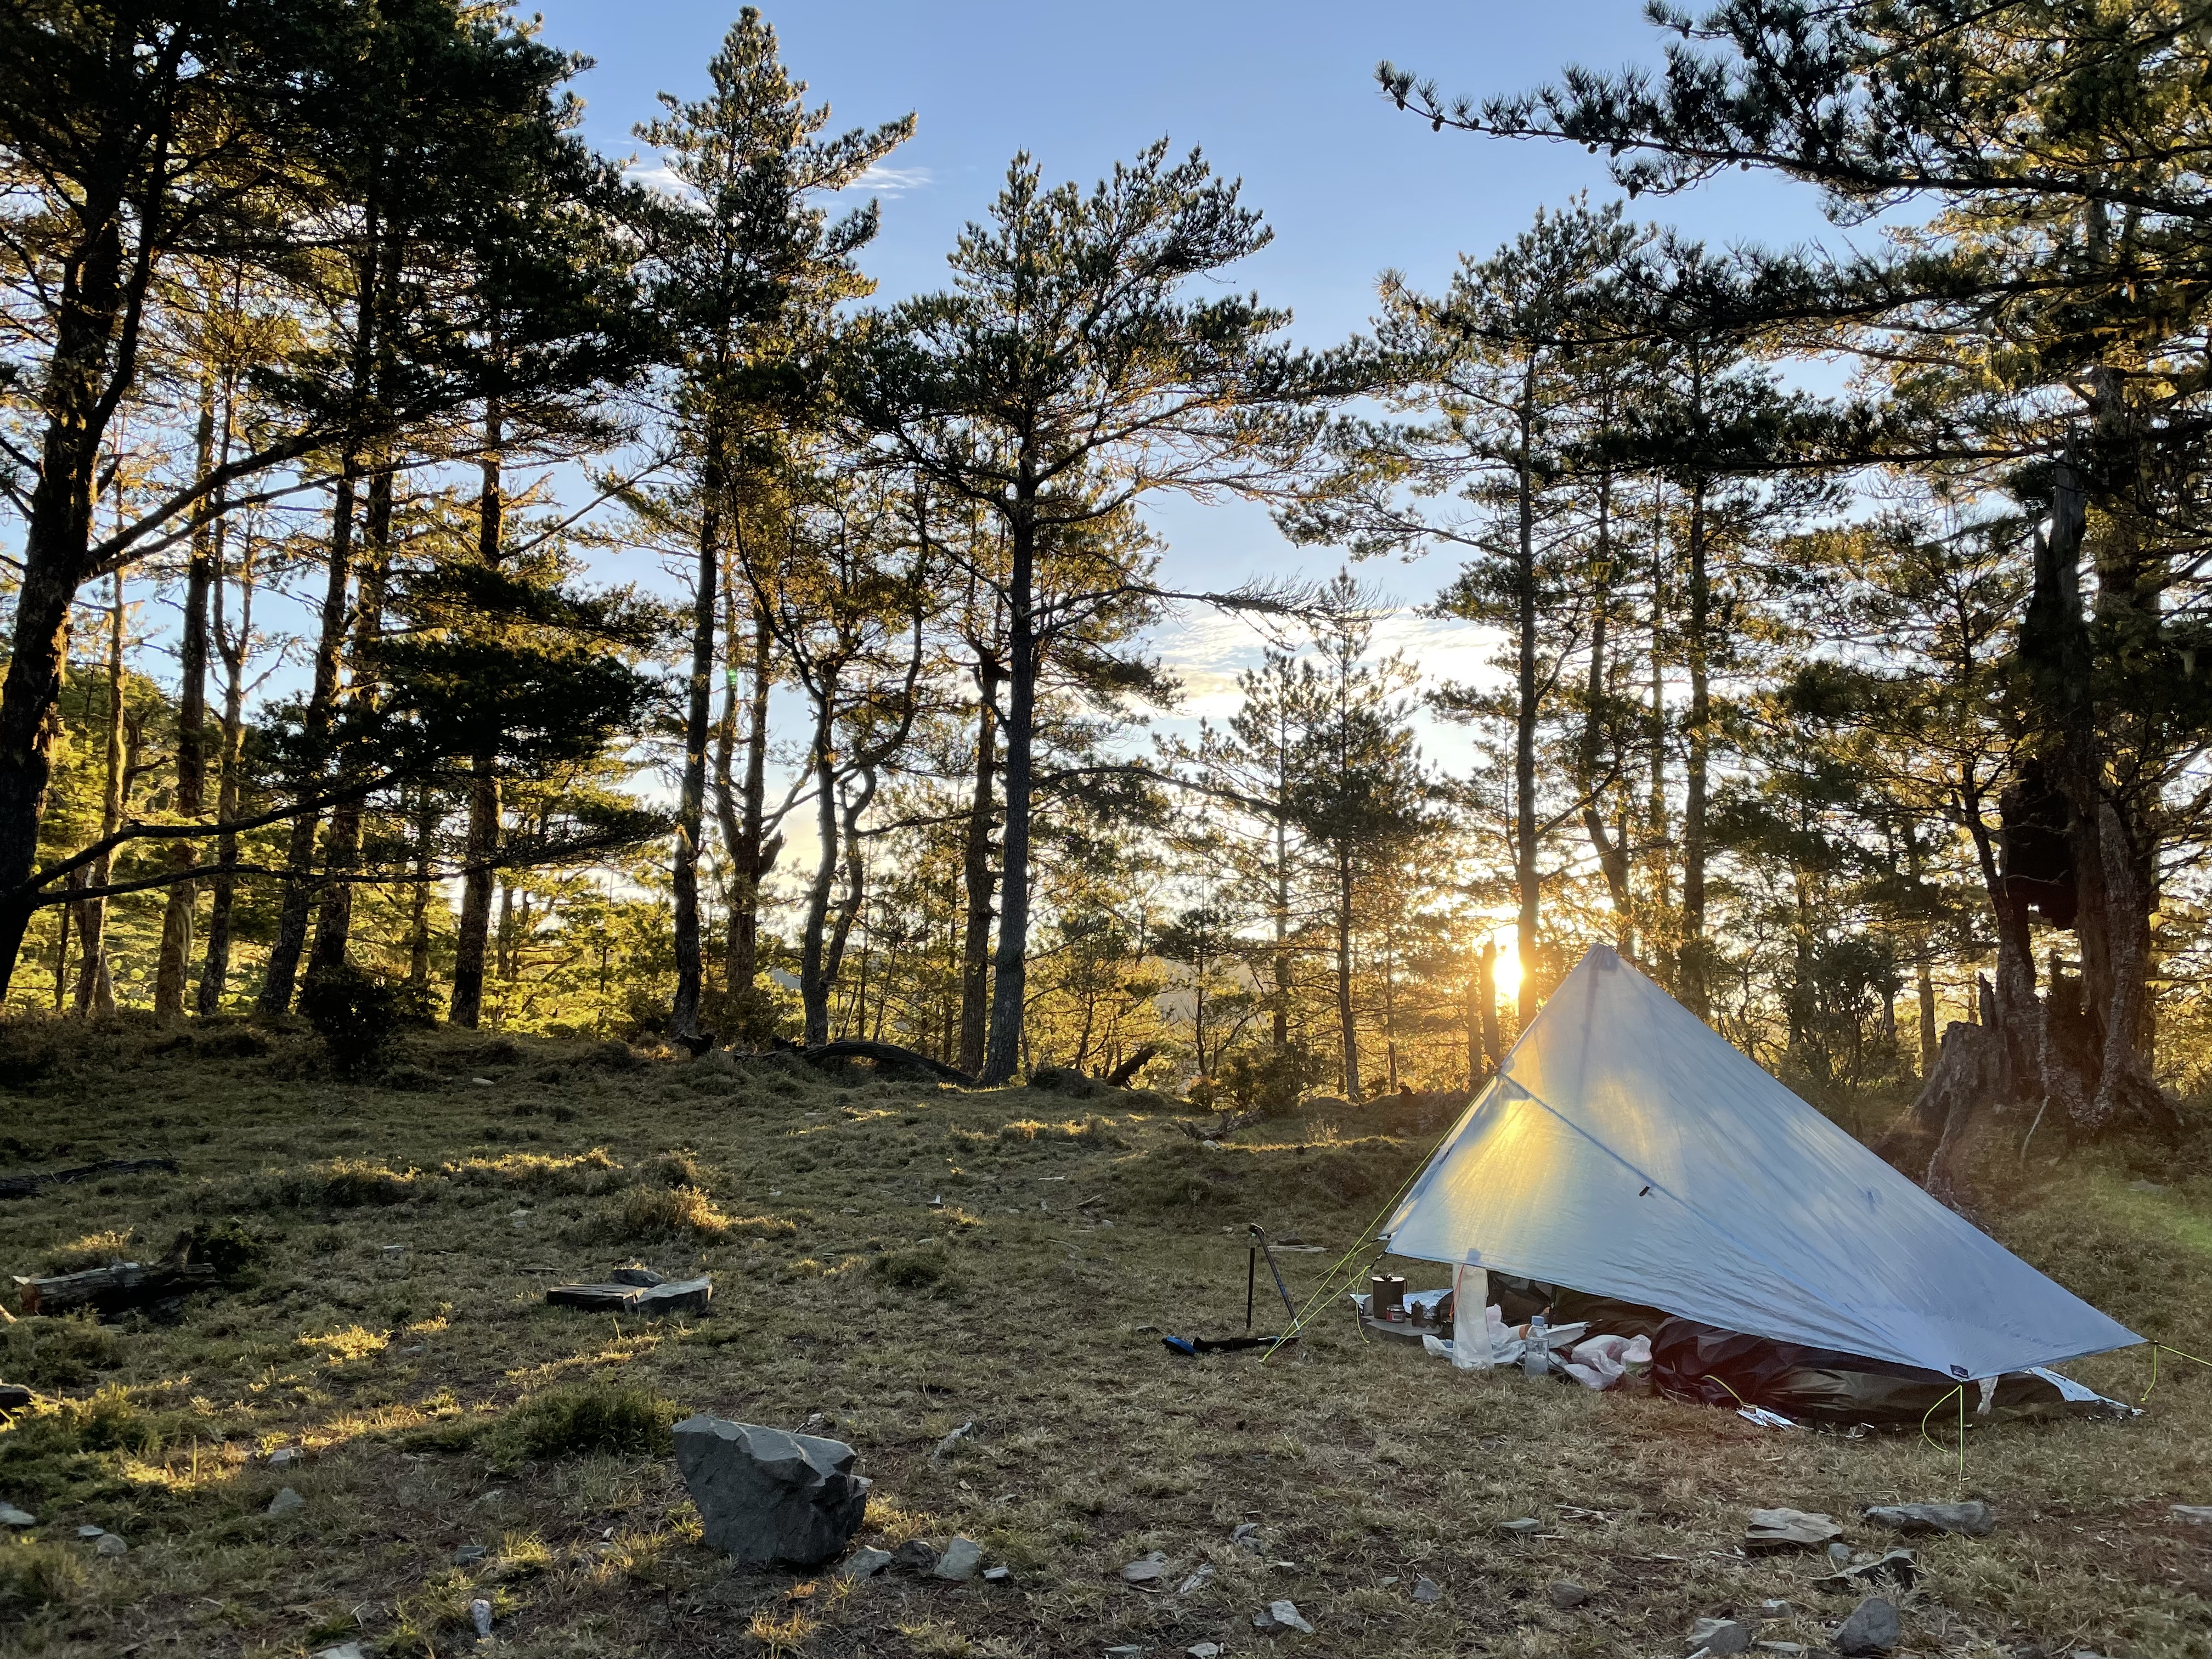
902, 1260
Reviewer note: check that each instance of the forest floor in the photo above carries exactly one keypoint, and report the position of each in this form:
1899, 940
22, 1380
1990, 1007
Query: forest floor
902, 1260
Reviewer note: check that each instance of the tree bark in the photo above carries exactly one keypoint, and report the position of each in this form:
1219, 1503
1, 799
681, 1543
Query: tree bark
813, 981
214, 970
170, 969
1526, 890
692, 801
1009, 999
341, 846
466, 1007
977, 874
1612, 854
95, 985
1347, 1026
1696, 970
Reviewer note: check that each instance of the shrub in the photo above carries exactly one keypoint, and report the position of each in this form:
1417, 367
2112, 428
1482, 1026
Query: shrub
661, 1213
348, 1183
355, 1014
58, 1354
35, 1574
603, 1418
588, 1173
1270, 1079
912, 1270
107, 1421
225, 1246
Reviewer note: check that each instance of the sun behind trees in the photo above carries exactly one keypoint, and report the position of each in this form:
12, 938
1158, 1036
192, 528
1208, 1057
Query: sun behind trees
447, 569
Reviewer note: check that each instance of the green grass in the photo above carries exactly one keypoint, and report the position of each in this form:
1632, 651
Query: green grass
896, 1259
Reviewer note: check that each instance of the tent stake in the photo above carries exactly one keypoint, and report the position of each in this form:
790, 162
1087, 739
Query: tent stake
1251, 1279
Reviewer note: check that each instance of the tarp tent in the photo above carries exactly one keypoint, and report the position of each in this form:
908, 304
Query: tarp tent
1626, 1150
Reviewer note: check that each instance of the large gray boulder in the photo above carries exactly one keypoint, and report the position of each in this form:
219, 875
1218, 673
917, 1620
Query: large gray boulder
769, 1495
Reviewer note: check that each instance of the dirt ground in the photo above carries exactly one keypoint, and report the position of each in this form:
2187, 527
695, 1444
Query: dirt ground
899, 1259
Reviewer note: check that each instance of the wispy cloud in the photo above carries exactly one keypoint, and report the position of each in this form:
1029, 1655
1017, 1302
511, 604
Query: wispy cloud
893, 181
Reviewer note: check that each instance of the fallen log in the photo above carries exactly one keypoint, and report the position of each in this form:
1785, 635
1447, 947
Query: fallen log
885, 1053
1121, 1075
678, 1295
114, 1288
24, 1185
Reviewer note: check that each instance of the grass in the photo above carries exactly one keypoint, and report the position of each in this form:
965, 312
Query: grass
896, 1259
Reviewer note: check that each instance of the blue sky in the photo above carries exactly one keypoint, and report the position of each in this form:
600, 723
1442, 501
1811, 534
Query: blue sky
1280, 94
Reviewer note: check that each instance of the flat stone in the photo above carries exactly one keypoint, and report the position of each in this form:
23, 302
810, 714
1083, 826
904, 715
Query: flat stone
1521, 1528
1841, 1554
2145, 1187
1197, 1581
1873, 1628
1204, 1650
1246, 1536
92, 1532
285, 1457
468, 1554
1771, 1531
767, 1494
1898, 1567
287, 1502
1972, 1519
1280, 1616
1568, 1593
645, 1278
864, 1562
1722, 1637
950, 1443
1775, 1610
110, 1545
480, 1612
915, 1555
1427, 1591
1784, 1648
12, 1517
961, 1557
998, 1574
645, 1300
2197, 1515
346, 1650
1148, 1573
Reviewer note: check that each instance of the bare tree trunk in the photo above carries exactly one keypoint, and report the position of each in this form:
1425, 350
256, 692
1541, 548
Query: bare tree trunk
95, 984
1347, 1026
1612, 854
214, 970
169, 974
1527, 891
1656, 932
418, 904
1696, 957
976, 873
692, 801
341, 846
1010, 993
813, 982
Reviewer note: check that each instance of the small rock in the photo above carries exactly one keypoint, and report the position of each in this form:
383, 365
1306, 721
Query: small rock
866, 1562
2198, 1515
961, 1557
946, 1446
1148, 1573
285, 1457
1786, 1649
1280, 1616
643, 1278
1775, 1610
1522, 1529
347, 1650
1973, 1519
480, 1612
110, 1545
1204, 1650
1898, 1566
1568, 1593
1427, 1591
1198, 1580
12, 1517
1774, 1530
1721, 1637
914, 1556
1246, 1538
468, 1554
998, 1574
287, 1502
1841, 1554
2145, 1187
92, 1532
1873, 1628
519, 1218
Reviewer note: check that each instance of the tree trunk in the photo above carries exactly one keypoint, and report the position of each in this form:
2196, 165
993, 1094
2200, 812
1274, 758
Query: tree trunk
342, 846
1527, 891
1347, 1026
214, 970
691, 802
1655, 930
170, 969
1493, 1040
1696, 962
95, 985
1612, 855
1009, 995
813, 981
480, 845
977, 874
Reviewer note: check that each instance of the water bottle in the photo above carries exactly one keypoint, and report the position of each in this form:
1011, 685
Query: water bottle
1536, 1354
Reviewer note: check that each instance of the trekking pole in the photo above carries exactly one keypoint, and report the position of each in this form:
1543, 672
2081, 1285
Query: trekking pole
1251, 1278
1289, 1306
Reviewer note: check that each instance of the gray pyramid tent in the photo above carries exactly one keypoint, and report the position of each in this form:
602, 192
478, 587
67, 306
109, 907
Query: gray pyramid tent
1626, 1150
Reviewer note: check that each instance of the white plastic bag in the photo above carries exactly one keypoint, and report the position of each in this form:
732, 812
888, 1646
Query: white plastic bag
1471, 1342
